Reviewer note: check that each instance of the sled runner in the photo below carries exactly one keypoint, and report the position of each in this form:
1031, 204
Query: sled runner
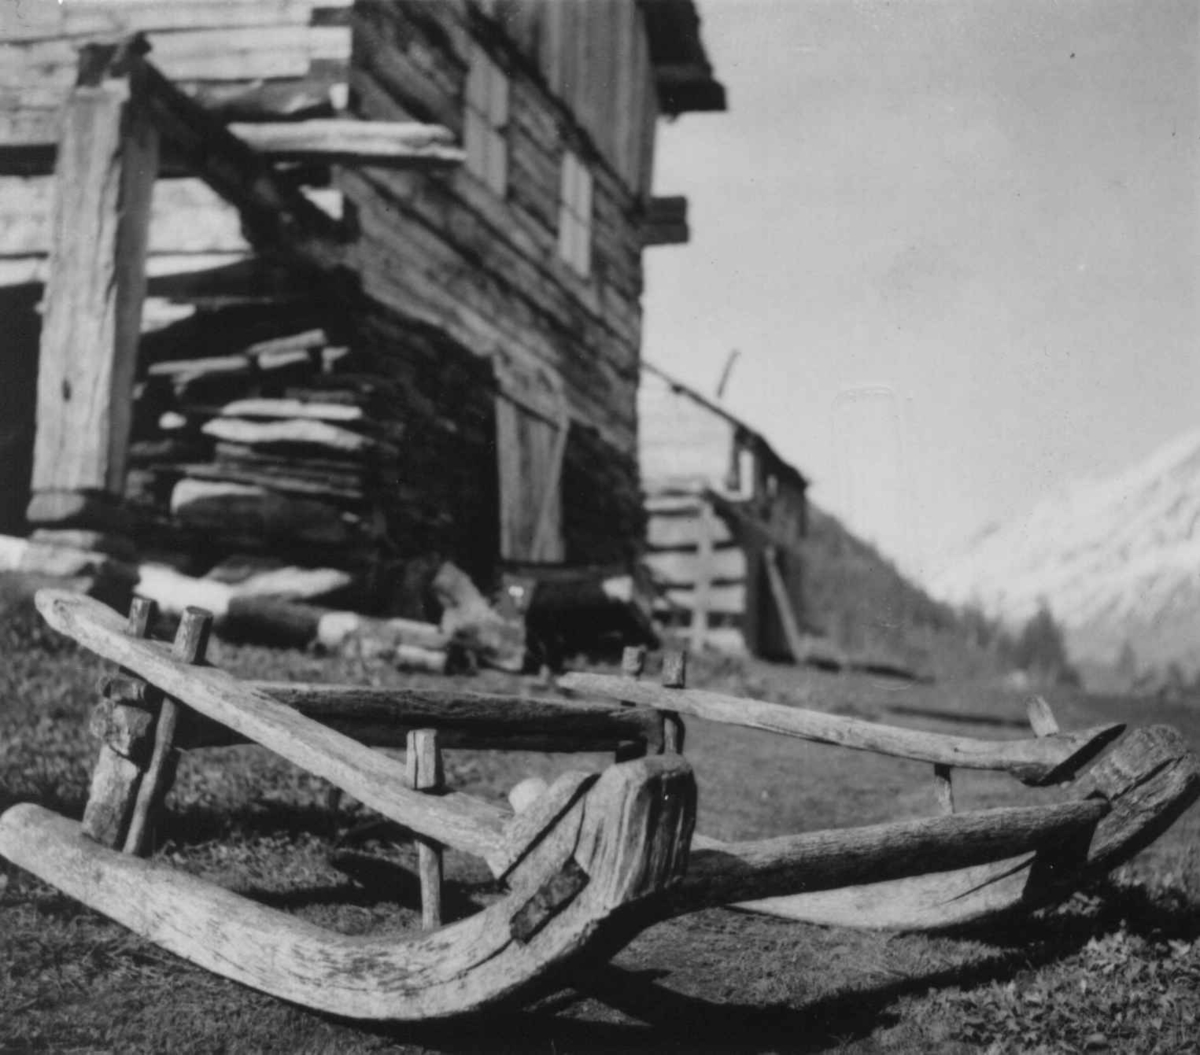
592, 861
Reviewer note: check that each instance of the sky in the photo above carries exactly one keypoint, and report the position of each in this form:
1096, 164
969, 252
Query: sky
956, 242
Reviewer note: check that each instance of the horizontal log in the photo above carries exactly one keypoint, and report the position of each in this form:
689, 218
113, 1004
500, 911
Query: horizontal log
259, 513
297, 432
721, 874
382, 717
377, 781
1046, 760
290, 408
331, 488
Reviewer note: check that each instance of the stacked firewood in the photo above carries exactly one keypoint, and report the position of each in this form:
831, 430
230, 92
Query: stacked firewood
273, 448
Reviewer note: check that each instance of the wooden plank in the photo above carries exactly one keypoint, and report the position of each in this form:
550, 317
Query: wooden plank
455, 819
1038, 762
678, 567
629, 835
93, 305
423, 767
408, 144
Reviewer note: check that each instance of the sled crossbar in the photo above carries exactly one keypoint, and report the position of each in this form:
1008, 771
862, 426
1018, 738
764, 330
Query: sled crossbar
1041, 761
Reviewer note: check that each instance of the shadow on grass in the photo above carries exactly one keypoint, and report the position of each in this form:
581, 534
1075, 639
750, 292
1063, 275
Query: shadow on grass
665, 1019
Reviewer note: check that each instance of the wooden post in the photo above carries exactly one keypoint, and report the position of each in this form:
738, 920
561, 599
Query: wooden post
1041, 718
423, 766
943, 788
783, 604
124, 729
633, 662
702, 584
191, 642
107, 163
674, 676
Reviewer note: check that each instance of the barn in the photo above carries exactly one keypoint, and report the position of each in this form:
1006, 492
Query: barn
727, 521
337, 283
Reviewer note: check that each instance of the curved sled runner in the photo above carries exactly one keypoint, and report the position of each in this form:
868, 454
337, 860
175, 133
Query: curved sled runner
590, 862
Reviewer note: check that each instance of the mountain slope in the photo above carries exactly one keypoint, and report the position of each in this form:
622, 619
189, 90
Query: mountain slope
1115, 560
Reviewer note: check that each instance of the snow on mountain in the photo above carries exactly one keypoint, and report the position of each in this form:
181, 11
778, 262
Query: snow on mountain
1116, 560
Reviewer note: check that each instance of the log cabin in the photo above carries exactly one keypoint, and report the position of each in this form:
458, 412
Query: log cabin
727, 519
338, 281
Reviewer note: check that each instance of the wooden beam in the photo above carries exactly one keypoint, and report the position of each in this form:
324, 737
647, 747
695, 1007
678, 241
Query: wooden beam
725, 873
108, 157
276, 215
1047, 760
401, 144
666, 222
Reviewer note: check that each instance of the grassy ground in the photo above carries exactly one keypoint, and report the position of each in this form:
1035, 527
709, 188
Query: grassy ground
1116, 969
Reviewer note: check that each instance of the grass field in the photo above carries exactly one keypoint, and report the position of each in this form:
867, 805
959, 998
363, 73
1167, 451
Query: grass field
1115, 969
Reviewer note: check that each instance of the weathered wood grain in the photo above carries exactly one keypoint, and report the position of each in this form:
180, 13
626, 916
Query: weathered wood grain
1046, 760
408, 144
382, 717
453, 818
737, 872
1146, 782
629, 835
108, 158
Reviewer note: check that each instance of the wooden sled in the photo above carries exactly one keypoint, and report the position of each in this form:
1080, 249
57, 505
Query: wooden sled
588, 864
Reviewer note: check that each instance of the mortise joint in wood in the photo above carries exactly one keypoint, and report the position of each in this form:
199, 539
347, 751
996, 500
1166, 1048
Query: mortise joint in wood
943, 788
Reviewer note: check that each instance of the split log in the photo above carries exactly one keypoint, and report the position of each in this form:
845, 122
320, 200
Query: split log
1047, 760
628, 837
470, 620
291, 434
191, 643
454, 818
382, 717
725, 873
291, 408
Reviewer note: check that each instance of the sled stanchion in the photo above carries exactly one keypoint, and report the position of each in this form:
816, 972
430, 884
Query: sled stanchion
943, 787
423, 766
191, 642
1041, 718
633, 662
124, 726
674, 676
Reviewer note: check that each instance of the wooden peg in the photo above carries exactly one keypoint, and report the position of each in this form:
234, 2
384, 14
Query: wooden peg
123, 728
1041, 718
674, 676
943, 788
191, 643
423, 768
